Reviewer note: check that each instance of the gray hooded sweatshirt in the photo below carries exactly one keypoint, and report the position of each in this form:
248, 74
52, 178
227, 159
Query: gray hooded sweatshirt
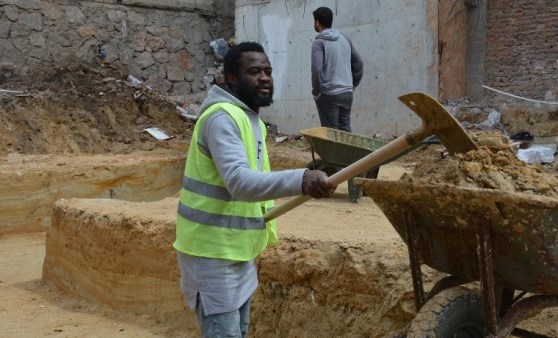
336, 65
224, 285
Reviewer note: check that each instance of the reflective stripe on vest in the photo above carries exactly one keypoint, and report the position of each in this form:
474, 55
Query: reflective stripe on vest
210, 222
206, 189
225, 221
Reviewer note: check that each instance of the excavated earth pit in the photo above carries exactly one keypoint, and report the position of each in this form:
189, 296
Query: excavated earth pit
77, 164
333, 278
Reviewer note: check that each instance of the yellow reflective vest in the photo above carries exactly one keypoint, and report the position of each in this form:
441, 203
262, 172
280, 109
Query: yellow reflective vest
210, 222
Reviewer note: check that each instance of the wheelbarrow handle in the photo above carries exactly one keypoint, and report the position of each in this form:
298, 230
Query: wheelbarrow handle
371, 161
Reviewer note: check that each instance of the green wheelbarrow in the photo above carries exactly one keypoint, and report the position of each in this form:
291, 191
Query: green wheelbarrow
337, 149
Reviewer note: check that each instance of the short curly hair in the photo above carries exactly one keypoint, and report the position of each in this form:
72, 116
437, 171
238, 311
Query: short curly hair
233, 55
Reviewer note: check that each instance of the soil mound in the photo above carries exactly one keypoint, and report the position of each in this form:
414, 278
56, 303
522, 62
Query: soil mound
493, 166
85, 109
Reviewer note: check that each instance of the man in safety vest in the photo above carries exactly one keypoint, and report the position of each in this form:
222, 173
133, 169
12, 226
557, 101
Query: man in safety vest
226, 190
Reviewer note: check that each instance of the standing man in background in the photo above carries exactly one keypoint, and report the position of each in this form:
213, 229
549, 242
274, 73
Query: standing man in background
336, 71
226, 190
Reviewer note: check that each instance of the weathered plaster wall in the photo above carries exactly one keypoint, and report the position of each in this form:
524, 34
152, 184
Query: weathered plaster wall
165, 43
396, 39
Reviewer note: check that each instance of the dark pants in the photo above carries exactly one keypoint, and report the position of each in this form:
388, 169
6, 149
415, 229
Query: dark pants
335, 111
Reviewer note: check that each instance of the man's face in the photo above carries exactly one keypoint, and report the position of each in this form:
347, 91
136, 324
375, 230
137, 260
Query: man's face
254, 83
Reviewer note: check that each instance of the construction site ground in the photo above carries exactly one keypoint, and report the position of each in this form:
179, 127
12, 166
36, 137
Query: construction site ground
75, 114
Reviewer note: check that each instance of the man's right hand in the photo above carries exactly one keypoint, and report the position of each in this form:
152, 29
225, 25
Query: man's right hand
315, 184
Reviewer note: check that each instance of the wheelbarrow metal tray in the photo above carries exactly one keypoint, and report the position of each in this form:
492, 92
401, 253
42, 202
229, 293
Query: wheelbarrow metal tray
338, 147
445, 218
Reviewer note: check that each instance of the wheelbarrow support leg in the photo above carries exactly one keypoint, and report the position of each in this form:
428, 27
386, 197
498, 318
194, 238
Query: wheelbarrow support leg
487, 278
414, 259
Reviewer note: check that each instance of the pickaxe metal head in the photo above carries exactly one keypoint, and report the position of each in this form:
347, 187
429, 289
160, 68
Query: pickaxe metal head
436, 120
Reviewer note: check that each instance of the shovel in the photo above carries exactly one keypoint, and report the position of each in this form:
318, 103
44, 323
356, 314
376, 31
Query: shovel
436, 120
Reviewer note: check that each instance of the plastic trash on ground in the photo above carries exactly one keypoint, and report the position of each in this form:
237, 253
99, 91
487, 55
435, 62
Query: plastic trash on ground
492, 120
538, 154
134, 82
220, 47
157, 133
189, 114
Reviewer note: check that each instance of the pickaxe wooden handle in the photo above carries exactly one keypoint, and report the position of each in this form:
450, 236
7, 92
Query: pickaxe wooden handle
436, 120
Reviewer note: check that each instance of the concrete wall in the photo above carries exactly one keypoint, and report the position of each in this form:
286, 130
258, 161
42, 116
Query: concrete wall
476, 48
165, 43
397, 40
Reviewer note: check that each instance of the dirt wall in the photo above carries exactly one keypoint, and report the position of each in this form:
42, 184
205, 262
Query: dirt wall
315, 283
29, 185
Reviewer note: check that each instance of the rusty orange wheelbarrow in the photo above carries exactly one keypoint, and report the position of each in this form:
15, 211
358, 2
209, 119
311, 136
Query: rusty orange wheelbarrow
508, 242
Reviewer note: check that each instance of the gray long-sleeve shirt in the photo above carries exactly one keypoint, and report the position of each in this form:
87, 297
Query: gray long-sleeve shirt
336, 65
225, 285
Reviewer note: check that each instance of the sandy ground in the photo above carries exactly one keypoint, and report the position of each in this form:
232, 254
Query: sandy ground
70, 119
31, 307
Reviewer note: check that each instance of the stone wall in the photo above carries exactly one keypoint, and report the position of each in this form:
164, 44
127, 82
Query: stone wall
522, 47
164, 43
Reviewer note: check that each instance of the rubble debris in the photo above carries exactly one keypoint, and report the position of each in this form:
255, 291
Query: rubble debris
101, 52
187, 114
134, 82
493, 119
214, 75
10, 91
522, 136
271, 127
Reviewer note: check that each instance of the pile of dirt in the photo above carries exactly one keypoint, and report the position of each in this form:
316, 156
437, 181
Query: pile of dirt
85, 109
494, 165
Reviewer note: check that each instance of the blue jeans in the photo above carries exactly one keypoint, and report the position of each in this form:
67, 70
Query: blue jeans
224, 325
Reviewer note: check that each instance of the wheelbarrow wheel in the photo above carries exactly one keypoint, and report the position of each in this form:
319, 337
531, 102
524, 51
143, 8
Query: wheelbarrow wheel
455, 313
